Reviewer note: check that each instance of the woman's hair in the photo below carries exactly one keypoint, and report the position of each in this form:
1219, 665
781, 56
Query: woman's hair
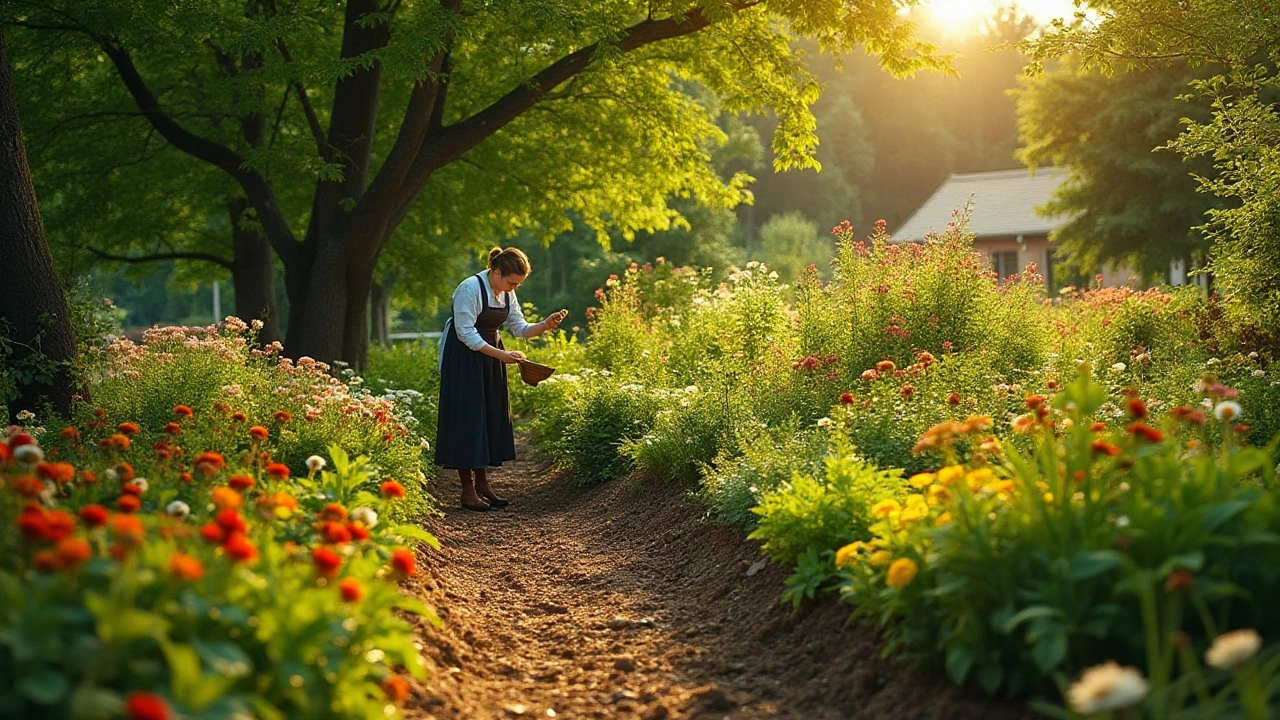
511, 261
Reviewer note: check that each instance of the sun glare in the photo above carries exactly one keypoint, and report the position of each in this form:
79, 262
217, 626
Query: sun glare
961, 17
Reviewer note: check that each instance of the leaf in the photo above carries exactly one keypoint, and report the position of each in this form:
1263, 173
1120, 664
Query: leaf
1031, 613
90, 702
44, 687
990, 677
1049, 651
413, 532
1088, 564
1192, 561
1215, 515
959, 662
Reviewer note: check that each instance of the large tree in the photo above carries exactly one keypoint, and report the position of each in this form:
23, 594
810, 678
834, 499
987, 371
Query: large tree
33, 306
1129, 203
570, 105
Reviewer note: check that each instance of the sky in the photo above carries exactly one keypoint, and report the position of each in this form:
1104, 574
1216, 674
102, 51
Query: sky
964, 16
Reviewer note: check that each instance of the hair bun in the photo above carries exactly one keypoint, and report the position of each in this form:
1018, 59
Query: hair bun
494, 253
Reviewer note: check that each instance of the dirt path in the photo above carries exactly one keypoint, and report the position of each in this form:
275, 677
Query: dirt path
617, 602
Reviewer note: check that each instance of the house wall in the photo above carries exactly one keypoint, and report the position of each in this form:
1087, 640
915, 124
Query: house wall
1035, 248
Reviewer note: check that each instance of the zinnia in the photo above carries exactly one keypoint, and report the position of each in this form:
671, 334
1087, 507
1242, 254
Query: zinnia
259, 433
403, 562
396, 688
326, 561
1106, 687
351, 590
93, 515
391, 488
185, 568
1230, 650
146, 706
239, 547
279, 471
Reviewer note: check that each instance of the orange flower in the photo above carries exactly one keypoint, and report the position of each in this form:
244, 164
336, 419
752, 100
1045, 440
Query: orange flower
953, 399
1147, 432
885, 366
1034, 401
326, 561
1098, 426
282, 416
846, 398
238, 417
1179, 580
358, 531
125, 472
396, 688
391, 488
172, 428
70, 432
351, 590
146, 706
128, 428
127, 530
239, 547
60, 472
225, 497
28, 487
128, 504
907, 391
1102, 447
259, 433
46, 561
402, 561
210, 457
93, 515
89, 477
213, 532
182, 411
240, 482
334, 533
73, 551
334, 511
185, 568
279, 471
1137, 409
230, 521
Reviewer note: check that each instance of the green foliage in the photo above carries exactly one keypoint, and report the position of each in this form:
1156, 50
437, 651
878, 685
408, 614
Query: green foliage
789, 243
826, 510
587, 430
1040, 564
762, 460
814, 573
32, 368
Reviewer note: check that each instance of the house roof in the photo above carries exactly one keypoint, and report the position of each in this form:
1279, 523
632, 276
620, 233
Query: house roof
1004, 203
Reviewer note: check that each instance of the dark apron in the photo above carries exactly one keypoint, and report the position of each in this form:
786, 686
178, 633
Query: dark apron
473, 427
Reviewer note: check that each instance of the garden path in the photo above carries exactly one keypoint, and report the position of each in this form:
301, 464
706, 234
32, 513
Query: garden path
618, 602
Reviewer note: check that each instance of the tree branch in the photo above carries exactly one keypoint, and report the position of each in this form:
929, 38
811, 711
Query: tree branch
157, 257
313, 120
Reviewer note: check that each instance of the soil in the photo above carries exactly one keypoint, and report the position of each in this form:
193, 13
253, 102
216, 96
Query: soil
619, 601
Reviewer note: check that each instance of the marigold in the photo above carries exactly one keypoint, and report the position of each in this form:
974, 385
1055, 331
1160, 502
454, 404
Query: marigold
259, 433
279, 471
185, 567
239, 548
225, 497
391, 488
209, 457
901, 573
119, 441
182, 411
358, 531
404, 563
46, 561
884, 508
885, 366
213, 532
69, 432
239, 417
93, 515
906, 391
396, 688
1098, 426
351, 590
333, 511
128, 504
921, 480
880, 558
146, 706
240, 482
870, 375
1136, 408
953, 399
1034, 401
124, 471
950, 474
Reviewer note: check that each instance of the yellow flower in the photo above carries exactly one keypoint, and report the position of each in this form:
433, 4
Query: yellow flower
882, 509
880, 558
1001, 486
938, 495
950, 474
975, 478
921, 480
1048, 497
914, 501
901, 573
848, 555
913, 513
943, 519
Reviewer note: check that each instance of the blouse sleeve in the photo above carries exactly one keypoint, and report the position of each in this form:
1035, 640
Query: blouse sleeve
516, 324
466, 308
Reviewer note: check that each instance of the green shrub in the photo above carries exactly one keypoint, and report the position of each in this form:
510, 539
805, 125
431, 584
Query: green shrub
760, 462
600, 414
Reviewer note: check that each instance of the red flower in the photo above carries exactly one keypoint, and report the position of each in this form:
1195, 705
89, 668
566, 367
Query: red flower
20, 439
127, 530
230, 521
1137, 409
69, 433
846, 398
1147, 432
28, 486
185, 568
182, 411
184, 477
73, 551
213, 532
402, 561
870, 375
391, 488
89, 477
32, 523
146, 706
953, 399
131, 489
119, 441
1034, 401
172, 428
238, 417
326, 560
334, 511
907, 391
1052, 384
397, 688
128, 504
351, 590
240, 482
209, 457
1102, 447
239, 547
128, 428
279, 471
46, 561
259, 433
358, 531
282, 416
93, 515
885, 366
61, 472
334, 532
125, 471
1098, 426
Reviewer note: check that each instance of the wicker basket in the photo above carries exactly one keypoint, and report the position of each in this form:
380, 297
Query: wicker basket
533, 373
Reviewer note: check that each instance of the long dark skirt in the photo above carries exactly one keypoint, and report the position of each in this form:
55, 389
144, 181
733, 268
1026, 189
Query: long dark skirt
473, 429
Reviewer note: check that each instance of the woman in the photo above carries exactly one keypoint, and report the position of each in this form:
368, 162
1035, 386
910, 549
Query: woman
473, 430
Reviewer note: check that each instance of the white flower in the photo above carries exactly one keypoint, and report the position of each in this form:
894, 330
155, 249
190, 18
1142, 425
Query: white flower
1227, 411
28, 453
1253, 355
315, 463
49, 492
140, 483
1106, 687
178, 509
1119, 367
1259, 372
25, 415
365, 516
1122, 521
824, 422
424, 444
1230, 650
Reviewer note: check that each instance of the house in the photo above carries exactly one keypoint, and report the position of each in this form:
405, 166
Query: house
1006, 227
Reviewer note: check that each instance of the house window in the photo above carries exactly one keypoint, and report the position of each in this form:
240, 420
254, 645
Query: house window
1005, 263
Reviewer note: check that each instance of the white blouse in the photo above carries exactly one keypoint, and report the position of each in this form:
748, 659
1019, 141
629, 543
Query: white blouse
468, 303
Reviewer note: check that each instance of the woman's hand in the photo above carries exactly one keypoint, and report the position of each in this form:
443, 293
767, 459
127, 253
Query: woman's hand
512, 356
553, 321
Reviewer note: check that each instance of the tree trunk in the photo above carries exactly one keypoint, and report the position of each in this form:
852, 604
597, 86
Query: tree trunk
32, 300
253, 273
380, 306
